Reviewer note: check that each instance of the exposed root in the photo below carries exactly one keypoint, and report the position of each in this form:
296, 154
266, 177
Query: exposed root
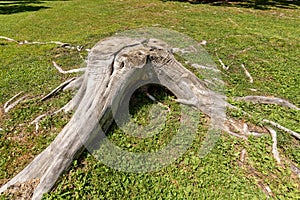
59, 88
243, 156
68, 71
75, 84
239, 130
71, 105
99, 89
37, 120
7, 106
253, 89
242, 132
274, 145
197, 66
247, 73
227, 130
254, 173
8, 39
62, 44
159, 103
14, 104
203, 42
151, 97
267, 100
94, 99
247, 132
11, 99
265, 188
296, 135
222, 64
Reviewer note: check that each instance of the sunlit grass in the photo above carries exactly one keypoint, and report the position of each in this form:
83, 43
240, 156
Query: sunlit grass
267, 42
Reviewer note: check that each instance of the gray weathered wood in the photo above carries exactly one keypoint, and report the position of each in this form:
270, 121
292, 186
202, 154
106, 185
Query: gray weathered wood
113, 64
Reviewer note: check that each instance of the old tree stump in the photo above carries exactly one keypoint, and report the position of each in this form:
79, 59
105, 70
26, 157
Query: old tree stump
116, 68
114, 65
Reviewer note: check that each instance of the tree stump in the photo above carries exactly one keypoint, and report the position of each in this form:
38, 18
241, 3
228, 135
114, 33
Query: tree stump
114, 65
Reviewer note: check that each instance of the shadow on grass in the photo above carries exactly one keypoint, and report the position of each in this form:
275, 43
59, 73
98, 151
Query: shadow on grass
11, 7
254, 4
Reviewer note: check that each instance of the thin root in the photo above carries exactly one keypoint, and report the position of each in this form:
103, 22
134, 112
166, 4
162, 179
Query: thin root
161, 104
247, 73
241, 132
11, 99
274, 145
7, 106
61, 44
296, 135
37, 120
68, 71
59, 88
8, 39
243, 156
267, 100
223, 65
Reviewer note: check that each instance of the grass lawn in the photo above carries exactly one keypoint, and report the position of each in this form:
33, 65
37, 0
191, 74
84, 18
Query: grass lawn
266, 41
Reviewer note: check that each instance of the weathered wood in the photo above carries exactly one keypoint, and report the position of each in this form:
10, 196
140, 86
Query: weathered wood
268, 100
68, 71
115, 64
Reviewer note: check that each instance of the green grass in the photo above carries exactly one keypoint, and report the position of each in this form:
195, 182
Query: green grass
273, 43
